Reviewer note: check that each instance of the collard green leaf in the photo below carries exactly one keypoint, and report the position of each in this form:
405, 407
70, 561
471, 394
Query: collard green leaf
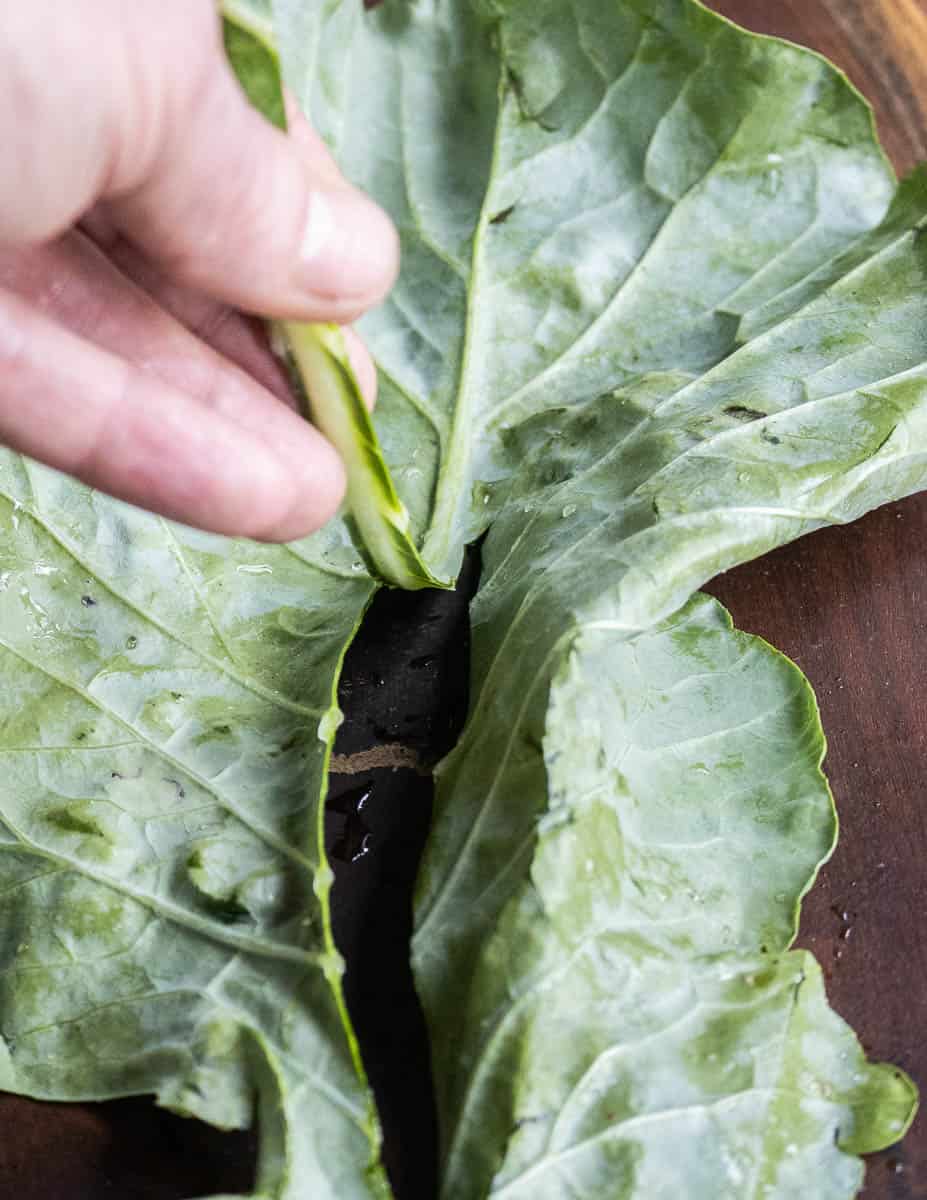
658, 314
585, 193
168, 712
628, 1022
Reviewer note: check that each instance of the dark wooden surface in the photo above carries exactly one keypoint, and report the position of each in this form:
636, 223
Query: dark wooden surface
849, 605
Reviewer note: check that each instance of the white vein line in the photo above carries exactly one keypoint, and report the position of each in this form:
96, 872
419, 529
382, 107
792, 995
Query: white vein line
812, 308
612, 452
712, 735
415, 211
630, 1125
397, 299
539, 983
175, 913
195, 587
582, 38
579, 133
620, 1049
446, 503
317, 565
705, 449
346, 75
247, 1021
806, 234
78, 748
267, 836
243, 1019
25, 466
426, 240
575, 348
26, 880
499, 874
528, 265
127, 1001
700, 450
244, 681
823, 271
538, 582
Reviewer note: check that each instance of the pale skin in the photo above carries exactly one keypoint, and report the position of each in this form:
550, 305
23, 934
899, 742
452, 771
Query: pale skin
145, 207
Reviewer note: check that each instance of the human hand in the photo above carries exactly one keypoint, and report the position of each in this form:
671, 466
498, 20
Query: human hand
143, 204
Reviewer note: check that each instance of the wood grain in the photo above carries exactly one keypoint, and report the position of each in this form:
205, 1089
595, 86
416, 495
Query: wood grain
850, 606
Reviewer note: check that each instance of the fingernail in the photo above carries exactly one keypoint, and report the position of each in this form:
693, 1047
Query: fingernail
349, 248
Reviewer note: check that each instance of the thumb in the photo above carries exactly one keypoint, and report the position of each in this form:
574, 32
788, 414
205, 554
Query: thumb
195, 176
235, 208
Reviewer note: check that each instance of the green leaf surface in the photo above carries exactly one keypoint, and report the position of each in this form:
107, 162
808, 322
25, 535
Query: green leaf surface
585, 192
659, 312
613, 1010
250, 43
168, 713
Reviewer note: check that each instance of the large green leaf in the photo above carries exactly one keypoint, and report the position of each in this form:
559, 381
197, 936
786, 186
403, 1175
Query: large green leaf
585, 192
168, 711
614, 512
613, 1010
648, 325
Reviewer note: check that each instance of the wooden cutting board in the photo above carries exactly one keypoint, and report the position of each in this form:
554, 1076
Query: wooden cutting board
850, 606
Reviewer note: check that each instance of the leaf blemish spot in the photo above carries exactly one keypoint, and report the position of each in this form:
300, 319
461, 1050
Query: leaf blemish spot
743, 413
501, 217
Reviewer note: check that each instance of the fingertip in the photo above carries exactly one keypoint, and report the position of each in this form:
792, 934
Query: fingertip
286, 236
313, 496
349, 254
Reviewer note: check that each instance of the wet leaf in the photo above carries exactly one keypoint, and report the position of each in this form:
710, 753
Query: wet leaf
659, 312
